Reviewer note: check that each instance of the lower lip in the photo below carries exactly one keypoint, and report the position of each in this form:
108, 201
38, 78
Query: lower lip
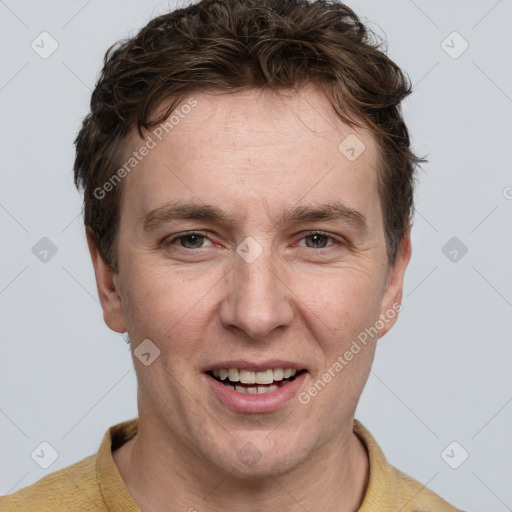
267, 402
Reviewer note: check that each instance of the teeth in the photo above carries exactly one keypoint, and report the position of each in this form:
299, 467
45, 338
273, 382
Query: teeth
260, 390
248, 377
233, 375
288, 373
265, 377
278, 374
266, 389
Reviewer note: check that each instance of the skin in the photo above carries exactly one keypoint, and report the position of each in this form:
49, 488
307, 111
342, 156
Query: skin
255, 154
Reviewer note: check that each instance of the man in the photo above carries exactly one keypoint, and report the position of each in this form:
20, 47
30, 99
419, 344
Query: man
248, 191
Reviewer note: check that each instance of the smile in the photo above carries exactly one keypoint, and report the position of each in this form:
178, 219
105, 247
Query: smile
254, 388
254, 383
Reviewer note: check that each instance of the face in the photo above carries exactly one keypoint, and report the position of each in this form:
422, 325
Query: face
250, 242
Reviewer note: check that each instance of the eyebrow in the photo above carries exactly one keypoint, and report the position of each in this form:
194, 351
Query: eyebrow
173, 211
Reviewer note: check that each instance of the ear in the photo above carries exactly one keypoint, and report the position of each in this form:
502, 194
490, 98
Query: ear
107, 285
392, 298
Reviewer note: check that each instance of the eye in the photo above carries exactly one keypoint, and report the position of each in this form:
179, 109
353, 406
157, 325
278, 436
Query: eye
191, 240
319, 239
196, 239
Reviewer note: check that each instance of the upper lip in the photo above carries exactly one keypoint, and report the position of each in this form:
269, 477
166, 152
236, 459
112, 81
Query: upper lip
254, 366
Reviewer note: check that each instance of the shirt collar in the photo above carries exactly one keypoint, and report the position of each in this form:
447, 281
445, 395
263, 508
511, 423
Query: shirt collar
380, 493
112, 486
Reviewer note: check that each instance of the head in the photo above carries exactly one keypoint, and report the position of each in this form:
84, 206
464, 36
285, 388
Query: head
254, 124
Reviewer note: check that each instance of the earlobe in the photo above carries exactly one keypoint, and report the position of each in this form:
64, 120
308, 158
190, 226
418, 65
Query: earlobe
392, 298
106, 283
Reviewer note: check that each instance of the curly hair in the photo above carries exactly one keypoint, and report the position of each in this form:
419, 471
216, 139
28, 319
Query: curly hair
233, 45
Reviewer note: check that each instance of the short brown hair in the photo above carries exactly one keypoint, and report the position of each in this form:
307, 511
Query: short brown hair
232, 45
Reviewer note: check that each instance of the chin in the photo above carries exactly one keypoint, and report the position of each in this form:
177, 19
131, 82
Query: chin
260, 471
258, 460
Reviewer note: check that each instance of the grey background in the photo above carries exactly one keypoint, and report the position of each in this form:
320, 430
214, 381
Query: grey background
441, 375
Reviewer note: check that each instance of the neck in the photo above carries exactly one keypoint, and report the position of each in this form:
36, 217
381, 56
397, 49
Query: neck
161, 478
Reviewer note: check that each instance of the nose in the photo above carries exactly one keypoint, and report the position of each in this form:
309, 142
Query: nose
258, 299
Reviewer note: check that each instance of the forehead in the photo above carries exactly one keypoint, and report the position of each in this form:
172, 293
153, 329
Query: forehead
253, 151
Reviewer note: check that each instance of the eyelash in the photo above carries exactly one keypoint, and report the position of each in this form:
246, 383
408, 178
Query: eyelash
170, 241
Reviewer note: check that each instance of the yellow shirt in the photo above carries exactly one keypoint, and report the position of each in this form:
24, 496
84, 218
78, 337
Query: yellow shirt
95, 485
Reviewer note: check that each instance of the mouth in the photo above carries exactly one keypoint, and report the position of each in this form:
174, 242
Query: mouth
249, 382
252, 388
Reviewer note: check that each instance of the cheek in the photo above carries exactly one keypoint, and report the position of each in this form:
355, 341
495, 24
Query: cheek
340, 303
163, 305
340, 317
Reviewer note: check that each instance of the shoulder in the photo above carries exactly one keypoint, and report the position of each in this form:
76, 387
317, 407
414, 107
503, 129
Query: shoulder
416, 497
73, 488
389, 489
92, 484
